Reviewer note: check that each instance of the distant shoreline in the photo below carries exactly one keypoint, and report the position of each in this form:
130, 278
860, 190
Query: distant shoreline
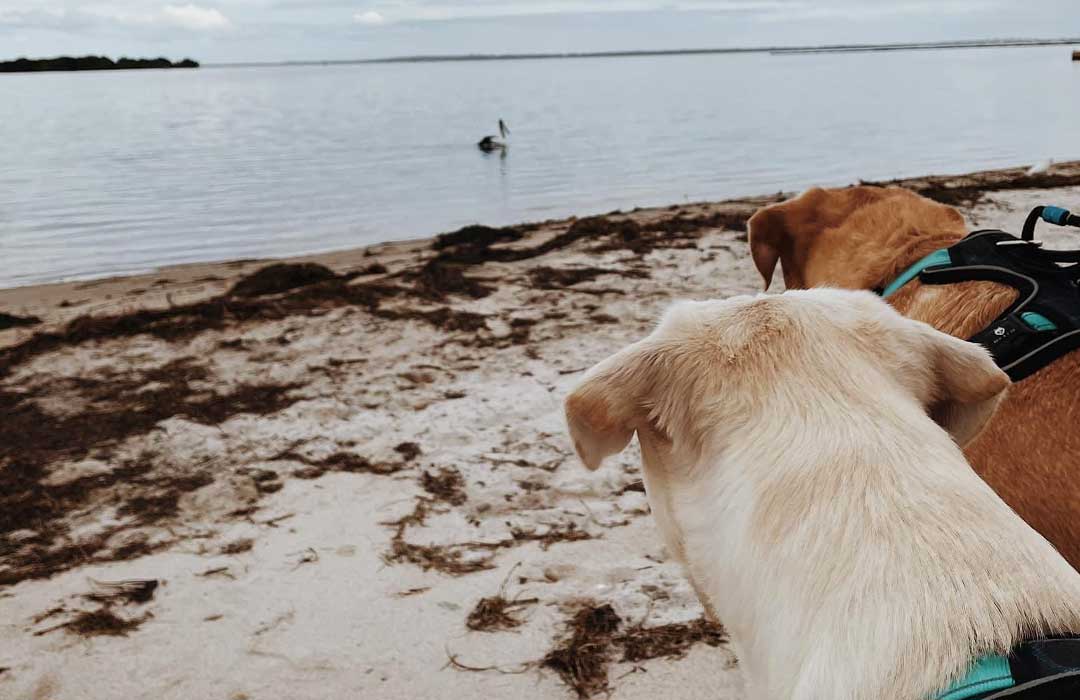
89, 63
775, 50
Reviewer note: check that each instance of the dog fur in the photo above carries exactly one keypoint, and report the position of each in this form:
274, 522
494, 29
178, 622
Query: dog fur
863, 238
793, 464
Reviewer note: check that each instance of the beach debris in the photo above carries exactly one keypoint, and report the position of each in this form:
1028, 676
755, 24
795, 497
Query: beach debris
279, 619
51, 612
12, 321
273, 522
445, 485
582, 658
440, 277
478, 236
34, 534
968, 190
453, 559
281, 277
408, 593
409, 451
673, 641
346, 462
592, 641
162, 498
308, 556
547, 536
1043, 166
103, 620
240, 546
598, 227
497, 613
563, 278
98, 623
132, 591
461, 558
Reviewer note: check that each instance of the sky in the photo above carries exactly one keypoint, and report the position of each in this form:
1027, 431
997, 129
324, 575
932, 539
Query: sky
216, 31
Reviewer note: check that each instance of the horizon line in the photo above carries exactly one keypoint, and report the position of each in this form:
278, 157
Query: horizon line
630, 53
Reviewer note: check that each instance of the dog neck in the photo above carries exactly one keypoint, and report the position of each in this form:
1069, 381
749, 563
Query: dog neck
961, 309
907, 254
848, 568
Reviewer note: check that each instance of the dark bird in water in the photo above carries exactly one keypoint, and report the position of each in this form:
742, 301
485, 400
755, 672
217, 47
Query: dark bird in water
490, 144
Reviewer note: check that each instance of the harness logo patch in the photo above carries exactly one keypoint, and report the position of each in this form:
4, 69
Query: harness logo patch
999, 331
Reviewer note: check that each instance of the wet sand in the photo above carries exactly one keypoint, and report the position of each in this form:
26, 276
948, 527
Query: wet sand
346, 475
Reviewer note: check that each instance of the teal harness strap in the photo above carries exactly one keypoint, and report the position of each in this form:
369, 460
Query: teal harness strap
938, 257
989, 674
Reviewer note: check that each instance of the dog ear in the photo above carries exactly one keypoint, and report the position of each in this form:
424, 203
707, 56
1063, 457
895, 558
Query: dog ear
605, 409
969, 386
767, 232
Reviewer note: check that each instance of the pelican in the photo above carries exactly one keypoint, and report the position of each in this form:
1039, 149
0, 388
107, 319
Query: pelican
489, 144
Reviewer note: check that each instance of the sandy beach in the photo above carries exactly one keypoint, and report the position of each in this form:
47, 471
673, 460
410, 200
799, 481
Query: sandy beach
346, 475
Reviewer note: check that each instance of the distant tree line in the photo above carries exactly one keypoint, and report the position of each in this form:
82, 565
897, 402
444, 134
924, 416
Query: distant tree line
30, 65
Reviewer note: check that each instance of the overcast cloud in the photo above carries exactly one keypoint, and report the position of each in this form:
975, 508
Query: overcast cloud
270, 30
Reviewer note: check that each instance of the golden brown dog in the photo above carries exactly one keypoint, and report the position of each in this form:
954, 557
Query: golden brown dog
863, 238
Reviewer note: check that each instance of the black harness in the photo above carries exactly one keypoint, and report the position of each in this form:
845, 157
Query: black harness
1044, 669
1043, 323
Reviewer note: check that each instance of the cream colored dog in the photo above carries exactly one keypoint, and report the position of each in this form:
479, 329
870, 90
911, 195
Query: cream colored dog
801, 459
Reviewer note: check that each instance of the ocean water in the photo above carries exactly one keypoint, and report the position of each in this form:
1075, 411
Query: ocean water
118, 172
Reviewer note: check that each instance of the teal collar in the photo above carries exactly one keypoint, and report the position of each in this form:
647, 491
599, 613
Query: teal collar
989, 674
938, 257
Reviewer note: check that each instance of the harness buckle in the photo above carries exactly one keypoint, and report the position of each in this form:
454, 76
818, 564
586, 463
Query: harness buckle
1037, 244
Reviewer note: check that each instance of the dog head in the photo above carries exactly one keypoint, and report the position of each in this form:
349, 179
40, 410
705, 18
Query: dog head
853, 237
711, 367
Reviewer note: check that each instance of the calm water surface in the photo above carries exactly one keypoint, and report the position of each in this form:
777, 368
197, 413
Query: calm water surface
108, 173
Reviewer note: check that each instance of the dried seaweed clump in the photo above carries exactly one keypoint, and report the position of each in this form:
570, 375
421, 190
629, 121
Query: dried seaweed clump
134, 591
103, 623
445, 485
408, 451
584, 655
669, 641
282, 277
238, 546
12, 321
438, 278
497, 614
347, 462
447, 559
